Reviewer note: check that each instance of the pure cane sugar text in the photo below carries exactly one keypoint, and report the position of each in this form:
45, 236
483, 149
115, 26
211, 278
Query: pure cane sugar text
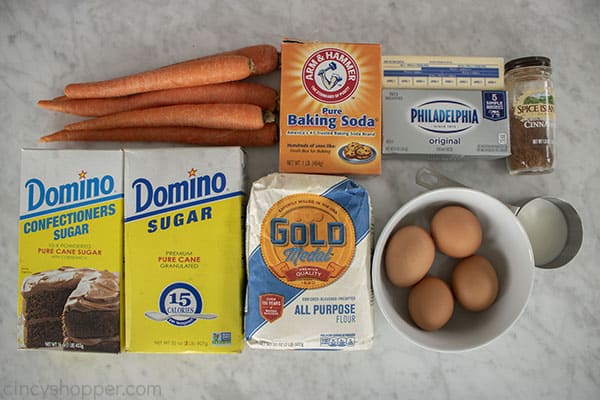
330, 108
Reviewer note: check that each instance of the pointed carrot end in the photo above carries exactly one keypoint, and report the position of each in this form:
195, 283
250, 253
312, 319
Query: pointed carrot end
52, 137
51, 105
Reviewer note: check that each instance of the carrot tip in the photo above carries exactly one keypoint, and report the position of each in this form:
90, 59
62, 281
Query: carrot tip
47, 105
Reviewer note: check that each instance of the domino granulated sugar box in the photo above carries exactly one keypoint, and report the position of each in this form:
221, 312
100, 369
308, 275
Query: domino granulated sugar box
183, 249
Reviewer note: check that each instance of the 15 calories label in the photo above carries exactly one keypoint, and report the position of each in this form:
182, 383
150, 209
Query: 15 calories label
180, 301
307, 240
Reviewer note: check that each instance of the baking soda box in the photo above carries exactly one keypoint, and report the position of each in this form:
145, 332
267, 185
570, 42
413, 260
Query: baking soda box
70, 250
330, 108
184, 257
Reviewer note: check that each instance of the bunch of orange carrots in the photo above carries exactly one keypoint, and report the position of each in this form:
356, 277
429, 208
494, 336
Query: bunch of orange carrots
202, 101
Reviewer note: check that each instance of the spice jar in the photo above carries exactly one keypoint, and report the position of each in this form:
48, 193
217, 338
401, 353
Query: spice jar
531, 108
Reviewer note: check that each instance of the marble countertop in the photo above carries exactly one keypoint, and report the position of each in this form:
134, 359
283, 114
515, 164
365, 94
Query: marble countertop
553, 351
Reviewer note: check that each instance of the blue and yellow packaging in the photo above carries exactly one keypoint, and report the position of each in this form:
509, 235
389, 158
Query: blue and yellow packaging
71, 250
183, 250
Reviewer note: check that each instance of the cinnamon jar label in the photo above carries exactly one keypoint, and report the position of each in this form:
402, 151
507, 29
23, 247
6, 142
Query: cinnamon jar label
535, 108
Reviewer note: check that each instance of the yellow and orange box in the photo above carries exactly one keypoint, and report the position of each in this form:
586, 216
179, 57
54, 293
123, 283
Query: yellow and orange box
330, 108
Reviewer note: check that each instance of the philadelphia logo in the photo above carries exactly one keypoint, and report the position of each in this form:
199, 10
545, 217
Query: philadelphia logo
147, 195
330, 75
444, 116
38, 194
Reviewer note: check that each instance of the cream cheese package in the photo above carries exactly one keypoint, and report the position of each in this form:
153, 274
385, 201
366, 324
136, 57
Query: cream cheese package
445, 124
308, 244
183, 250
70, 250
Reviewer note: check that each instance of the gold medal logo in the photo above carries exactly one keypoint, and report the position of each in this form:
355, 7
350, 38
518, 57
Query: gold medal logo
307, 241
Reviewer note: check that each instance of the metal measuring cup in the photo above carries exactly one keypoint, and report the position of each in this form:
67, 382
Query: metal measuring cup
431, 179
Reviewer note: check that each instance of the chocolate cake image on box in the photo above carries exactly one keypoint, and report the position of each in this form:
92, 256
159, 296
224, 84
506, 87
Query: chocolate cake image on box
91, 314
72, 308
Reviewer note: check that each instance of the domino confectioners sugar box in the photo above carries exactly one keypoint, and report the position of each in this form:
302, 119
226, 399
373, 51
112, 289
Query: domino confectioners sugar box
70, 250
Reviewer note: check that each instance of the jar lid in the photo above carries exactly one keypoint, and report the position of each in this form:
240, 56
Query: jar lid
533, 61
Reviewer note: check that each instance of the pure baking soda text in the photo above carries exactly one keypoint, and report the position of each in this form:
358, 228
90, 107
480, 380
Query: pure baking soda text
330, 108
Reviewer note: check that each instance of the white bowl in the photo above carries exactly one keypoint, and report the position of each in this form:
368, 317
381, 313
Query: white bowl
505, 244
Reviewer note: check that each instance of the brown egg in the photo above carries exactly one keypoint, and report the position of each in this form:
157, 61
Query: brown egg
409, 255
456, 231
430, 303
475, 283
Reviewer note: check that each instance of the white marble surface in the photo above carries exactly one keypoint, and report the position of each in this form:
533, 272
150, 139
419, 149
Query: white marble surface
554, 349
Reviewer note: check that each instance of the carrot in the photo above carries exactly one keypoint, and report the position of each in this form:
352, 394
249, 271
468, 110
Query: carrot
229, 92
265, 57
208, 70
216, 116
265, 136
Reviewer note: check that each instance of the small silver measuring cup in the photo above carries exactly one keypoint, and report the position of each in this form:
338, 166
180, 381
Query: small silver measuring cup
526, 212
